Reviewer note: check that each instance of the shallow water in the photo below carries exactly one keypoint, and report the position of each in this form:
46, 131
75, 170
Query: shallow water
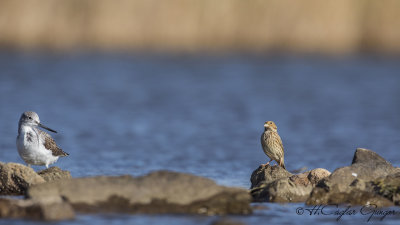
132, 114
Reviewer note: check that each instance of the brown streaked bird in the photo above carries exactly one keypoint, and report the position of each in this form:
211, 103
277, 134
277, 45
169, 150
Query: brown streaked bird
272, 144
35, 146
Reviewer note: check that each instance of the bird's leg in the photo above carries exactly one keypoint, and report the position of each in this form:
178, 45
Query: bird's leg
264, 165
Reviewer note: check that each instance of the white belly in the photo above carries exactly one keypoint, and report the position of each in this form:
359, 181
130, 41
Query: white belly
33, 152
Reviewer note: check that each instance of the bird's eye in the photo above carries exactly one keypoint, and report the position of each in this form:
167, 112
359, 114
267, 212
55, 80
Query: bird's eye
30, 118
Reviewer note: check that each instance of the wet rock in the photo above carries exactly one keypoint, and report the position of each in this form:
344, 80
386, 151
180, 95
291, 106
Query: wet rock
267, 174
157, 192
389, 187
35, 210
354, 196
275, 184
54, 173
354, 184
281, 190
15, 178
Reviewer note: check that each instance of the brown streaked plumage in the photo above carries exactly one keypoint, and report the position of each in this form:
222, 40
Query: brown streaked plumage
51, 145
272, 144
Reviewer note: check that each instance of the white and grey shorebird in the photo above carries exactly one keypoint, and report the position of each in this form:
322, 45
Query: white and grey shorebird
36, 147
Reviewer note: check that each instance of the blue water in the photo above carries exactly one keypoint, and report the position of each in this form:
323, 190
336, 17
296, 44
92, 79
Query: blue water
120, 113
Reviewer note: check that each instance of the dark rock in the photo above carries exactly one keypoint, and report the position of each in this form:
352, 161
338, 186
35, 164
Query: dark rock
158, 192
35, 210
281, 190
54, 173
300, 179
268, 174
354, 184
368, 157
389, 187
361, 193
369, 165
275, 184
15, 178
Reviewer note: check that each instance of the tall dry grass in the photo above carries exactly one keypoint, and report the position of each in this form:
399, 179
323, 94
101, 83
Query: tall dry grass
330, 26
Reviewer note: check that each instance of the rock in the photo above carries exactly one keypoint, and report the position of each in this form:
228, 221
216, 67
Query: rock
267, 174
282, 190
15, 178
300, 179
35, 210
370, 158
54, 173
354, 184
318, 174
360, 194
275, 184
157, 192
389, 187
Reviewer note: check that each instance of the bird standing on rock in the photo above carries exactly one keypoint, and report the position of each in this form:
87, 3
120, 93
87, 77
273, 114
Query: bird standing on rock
35, 146
272, 144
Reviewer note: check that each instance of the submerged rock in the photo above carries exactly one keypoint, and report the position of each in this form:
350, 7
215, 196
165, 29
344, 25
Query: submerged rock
35, 210
157, 192
275, 184
227, 221
15, 178
54, 173
359, 183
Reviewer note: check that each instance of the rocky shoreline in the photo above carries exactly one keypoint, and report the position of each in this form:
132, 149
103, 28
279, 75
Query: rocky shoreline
369, 180
52, 194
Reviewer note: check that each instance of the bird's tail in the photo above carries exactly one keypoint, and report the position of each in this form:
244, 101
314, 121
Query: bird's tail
282, 163
61, 152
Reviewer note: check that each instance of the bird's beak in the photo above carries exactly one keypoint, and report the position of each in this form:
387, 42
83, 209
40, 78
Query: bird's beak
266, 125
44, 127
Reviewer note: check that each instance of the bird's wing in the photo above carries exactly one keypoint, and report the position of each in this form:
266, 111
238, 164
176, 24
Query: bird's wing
50, 144
280, 142
263, 141
282, 153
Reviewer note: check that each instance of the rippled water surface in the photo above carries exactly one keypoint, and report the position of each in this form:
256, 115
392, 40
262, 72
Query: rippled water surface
132, 114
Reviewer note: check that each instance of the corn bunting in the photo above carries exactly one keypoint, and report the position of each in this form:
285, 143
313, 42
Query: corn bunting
272, 144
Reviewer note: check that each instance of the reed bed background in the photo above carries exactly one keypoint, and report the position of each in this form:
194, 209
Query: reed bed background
306, 26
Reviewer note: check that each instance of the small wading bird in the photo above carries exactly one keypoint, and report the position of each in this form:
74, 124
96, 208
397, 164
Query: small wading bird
272, 144
35, 146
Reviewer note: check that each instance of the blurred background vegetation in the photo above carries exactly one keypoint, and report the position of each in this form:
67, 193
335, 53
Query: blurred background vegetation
307, 26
